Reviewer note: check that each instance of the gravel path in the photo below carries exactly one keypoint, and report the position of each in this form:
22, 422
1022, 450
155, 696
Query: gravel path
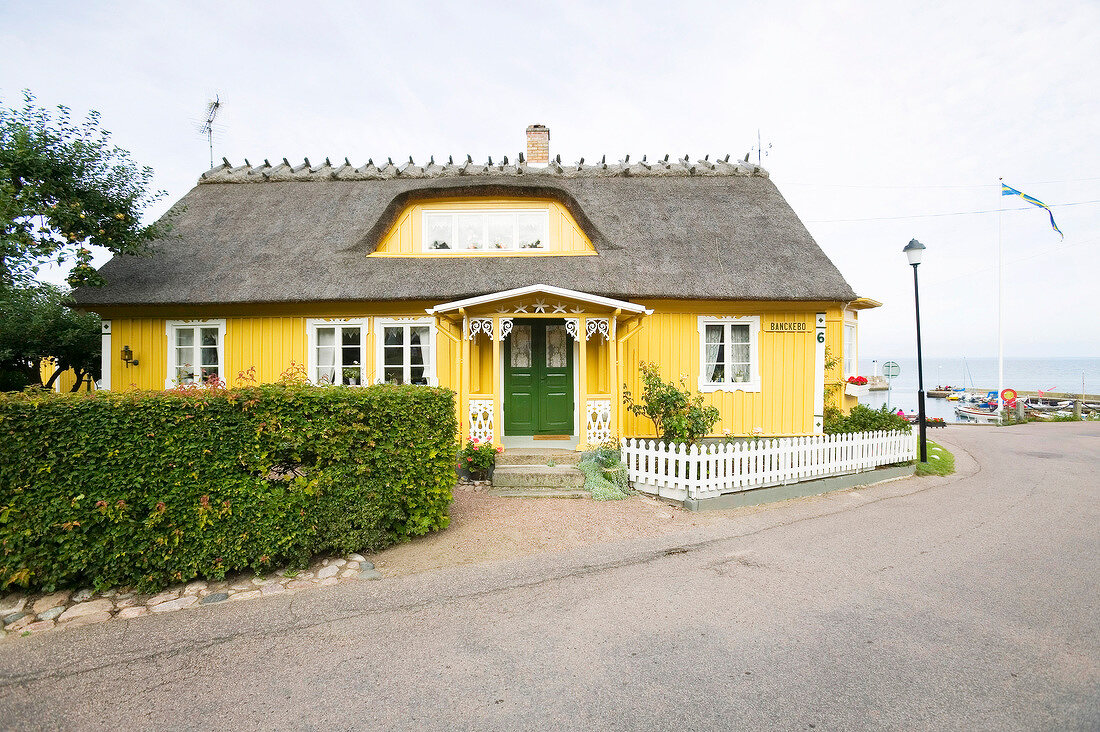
487, 528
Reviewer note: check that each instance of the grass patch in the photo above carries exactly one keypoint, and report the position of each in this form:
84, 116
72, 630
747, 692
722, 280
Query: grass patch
940, 461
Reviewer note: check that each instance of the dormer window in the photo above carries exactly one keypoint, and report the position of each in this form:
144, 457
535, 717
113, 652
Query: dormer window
486, 230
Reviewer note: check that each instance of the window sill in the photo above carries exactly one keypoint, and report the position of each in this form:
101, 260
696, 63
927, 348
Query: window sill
745, 386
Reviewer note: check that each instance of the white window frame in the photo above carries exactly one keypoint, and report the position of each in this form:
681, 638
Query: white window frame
312, 324
170, 328
852, 358
380, 325
753, 383
425, 245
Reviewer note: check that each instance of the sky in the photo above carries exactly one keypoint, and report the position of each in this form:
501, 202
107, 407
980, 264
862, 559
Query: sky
881, 122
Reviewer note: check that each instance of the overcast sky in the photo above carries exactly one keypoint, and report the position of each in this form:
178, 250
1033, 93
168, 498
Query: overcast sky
881, 120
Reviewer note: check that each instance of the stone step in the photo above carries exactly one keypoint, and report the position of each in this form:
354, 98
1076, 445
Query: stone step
537, 456
533, 493
537, 476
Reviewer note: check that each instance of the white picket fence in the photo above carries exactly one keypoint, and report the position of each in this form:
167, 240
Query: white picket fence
679, 472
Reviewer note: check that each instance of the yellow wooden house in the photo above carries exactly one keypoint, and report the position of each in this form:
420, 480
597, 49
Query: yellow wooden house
532, 288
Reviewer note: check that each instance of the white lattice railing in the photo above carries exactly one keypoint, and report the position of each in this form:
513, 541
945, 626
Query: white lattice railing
675, 471
481, 419
598, 420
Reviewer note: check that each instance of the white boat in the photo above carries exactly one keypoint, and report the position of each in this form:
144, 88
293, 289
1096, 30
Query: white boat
976, 414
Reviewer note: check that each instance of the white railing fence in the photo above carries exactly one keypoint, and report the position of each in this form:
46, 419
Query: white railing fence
680, 472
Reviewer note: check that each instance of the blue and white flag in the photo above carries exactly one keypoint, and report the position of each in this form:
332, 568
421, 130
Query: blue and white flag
1010, 191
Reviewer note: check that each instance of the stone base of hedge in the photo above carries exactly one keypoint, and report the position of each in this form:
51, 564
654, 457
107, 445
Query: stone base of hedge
146, 489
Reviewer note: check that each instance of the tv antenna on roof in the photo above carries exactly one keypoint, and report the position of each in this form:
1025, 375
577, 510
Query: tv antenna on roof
207, 127
761, 150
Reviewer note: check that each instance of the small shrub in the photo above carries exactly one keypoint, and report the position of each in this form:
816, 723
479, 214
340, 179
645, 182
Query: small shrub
478, 458
864, 419
604, 473
676, 413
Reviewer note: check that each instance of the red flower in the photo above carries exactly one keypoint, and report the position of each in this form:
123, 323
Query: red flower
473, 440
469, 460
500, 449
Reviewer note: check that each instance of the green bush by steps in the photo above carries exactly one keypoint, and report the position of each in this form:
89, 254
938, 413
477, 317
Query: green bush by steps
146, 489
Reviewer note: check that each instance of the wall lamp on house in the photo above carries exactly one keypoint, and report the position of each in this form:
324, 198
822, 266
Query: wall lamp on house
128, 356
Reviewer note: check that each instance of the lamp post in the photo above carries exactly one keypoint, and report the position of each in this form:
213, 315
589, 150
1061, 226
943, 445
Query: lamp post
913, 251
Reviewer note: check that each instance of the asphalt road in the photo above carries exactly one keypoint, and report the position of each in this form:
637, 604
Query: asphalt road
968, 602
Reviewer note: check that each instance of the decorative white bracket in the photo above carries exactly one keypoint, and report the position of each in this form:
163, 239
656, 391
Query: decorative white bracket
485, 325
597, 325
572, 327
480, 325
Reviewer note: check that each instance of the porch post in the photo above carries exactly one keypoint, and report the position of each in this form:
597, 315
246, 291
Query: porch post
582, 383
464, 382
618, 407
613, 373
498, 387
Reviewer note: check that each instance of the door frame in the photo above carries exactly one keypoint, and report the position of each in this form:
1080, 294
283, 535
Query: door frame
576, 355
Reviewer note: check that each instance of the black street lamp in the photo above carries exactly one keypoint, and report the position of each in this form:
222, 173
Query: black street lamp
913, 251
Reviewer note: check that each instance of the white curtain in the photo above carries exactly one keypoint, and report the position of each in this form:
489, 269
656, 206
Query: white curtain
714, 346
556, 347
519, 345
326, 356
740, 355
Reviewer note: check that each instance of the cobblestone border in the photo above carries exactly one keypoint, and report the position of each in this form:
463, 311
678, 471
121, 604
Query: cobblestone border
24, 615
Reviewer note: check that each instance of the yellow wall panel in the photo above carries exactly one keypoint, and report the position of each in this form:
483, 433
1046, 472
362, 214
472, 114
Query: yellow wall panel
270, 337
783, 406
147, 339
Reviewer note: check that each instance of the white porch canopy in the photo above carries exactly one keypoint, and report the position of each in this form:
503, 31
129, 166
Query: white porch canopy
608, 302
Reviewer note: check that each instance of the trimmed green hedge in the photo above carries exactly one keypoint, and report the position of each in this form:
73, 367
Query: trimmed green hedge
150, 488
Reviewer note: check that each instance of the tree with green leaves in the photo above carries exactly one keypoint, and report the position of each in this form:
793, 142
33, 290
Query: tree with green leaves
677, 414
63, 189
37, 323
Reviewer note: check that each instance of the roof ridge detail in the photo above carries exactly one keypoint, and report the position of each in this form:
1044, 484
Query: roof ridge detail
285, 171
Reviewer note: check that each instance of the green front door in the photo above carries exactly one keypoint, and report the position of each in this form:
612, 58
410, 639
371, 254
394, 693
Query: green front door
538, 379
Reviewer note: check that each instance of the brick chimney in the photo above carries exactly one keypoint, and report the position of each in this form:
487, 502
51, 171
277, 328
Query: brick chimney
538, 145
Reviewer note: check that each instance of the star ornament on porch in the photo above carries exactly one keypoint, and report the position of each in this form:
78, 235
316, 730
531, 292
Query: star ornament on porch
577, 310
540, 306
559, 308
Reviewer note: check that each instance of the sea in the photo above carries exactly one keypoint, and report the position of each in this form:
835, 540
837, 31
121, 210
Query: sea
1023, 374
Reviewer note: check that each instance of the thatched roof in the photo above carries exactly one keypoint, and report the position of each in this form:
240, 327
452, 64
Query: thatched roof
668, 229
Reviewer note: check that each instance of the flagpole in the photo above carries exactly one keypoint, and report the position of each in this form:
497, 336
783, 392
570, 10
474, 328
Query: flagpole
1000, 297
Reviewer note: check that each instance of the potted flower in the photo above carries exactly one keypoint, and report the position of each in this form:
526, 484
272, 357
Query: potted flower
856, 386
478, 459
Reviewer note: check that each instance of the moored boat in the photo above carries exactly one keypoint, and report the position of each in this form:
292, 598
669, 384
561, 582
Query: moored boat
977, 414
